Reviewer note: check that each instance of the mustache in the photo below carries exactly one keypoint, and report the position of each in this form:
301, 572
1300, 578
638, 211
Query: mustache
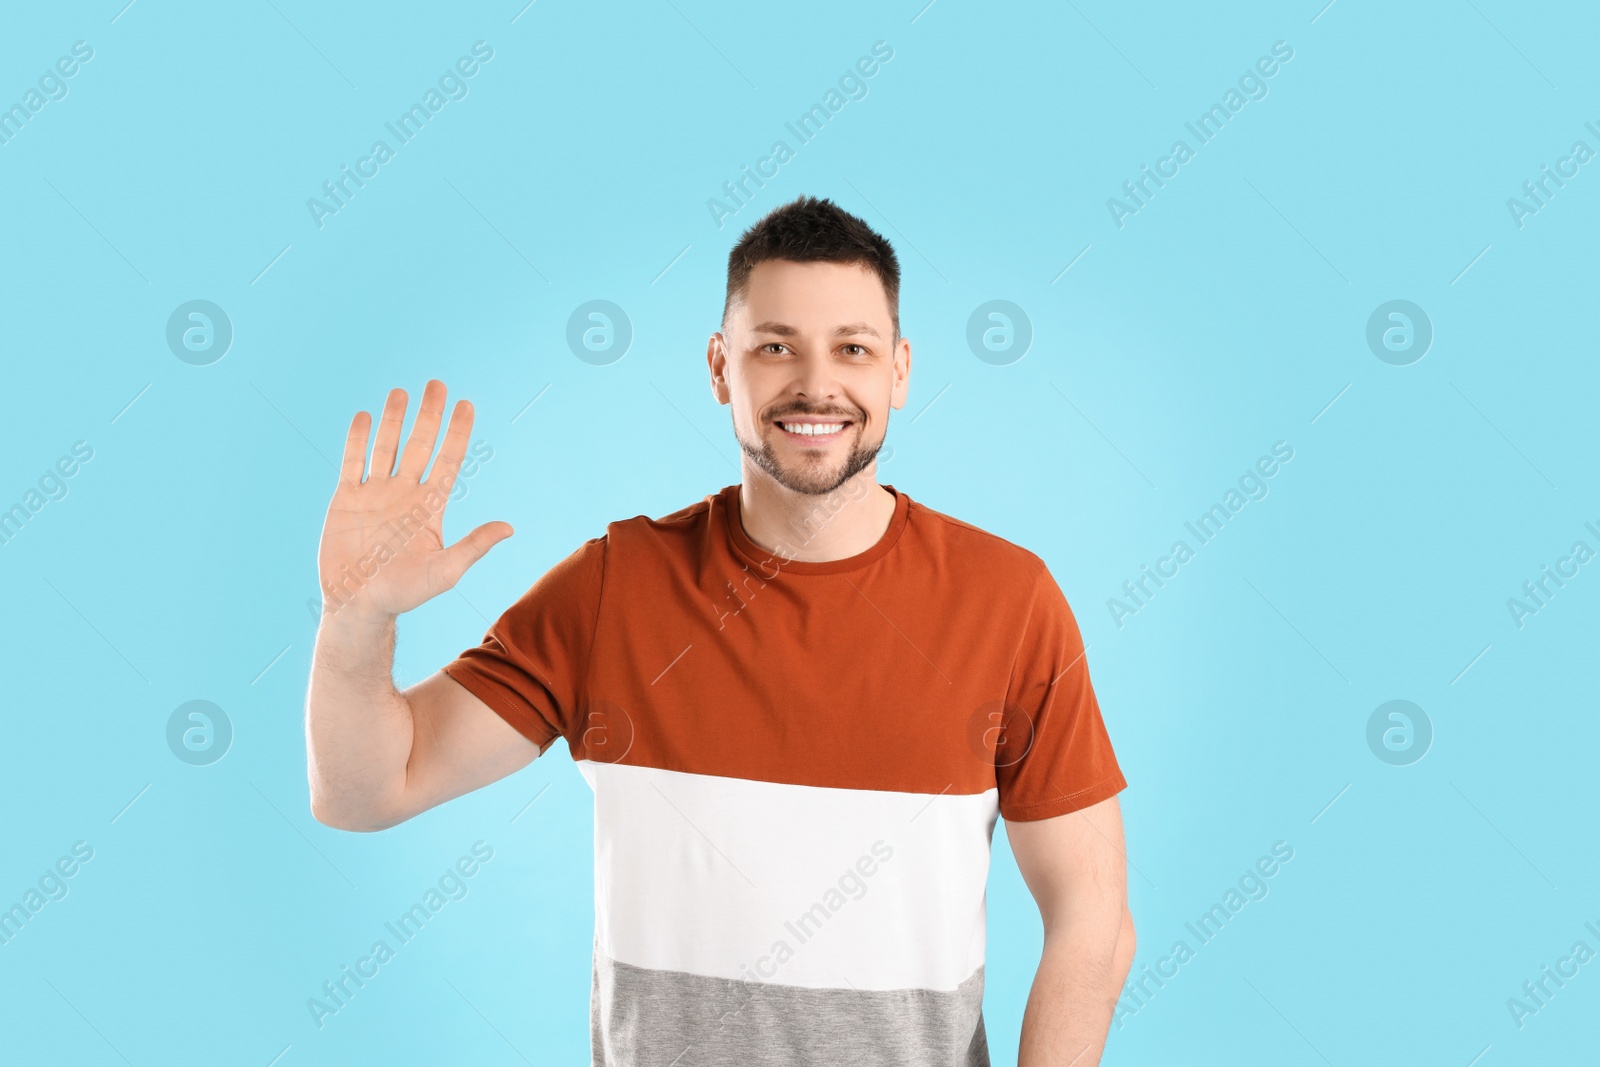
848, 414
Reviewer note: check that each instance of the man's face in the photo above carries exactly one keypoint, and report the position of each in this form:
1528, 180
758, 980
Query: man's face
809, 365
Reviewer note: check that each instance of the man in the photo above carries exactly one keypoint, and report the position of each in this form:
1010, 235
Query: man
802, 703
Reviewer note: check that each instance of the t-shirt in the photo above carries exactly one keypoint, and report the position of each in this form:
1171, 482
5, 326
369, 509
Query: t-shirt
797, 768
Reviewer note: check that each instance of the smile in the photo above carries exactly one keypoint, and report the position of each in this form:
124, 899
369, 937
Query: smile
813, 432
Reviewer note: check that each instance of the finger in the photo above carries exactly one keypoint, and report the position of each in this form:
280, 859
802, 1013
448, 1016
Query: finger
355, 449
448, 465
471, 548
394, 415
424, 432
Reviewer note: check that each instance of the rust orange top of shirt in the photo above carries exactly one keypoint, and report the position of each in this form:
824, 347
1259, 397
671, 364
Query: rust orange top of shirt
943, 659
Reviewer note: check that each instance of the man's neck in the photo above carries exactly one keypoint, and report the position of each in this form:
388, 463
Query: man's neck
815, 529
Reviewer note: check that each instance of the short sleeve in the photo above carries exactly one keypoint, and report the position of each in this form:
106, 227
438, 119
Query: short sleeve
532, 663
1057, 756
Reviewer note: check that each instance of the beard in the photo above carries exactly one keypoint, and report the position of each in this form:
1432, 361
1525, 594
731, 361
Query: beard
812, 476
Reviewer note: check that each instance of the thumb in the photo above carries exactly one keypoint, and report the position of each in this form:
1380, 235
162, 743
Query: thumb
471, 548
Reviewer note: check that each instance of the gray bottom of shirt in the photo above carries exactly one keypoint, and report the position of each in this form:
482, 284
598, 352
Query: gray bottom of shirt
640, 1017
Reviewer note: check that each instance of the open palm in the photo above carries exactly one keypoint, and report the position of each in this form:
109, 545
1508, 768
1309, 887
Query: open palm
383, 550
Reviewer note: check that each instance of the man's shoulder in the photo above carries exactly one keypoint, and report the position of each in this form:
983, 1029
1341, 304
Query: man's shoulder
975, 546
684, 516
688, 520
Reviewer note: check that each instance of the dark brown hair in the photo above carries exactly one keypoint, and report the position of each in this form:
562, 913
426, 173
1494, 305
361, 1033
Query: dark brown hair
811, 230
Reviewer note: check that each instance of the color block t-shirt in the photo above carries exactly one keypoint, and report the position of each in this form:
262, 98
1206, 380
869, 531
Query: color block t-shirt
797, 768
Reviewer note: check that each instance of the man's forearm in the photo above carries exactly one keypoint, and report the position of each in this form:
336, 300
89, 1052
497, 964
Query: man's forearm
1073, 995
358, 726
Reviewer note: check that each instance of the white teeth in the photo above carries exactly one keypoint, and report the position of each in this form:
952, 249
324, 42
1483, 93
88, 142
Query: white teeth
812, 429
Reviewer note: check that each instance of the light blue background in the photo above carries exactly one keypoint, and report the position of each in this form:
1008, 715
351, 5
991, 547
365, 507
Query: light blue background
1228, 314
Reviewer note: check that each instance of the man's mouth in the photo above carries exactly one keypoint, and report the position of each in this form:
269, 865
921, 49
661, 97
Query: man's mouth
813, 429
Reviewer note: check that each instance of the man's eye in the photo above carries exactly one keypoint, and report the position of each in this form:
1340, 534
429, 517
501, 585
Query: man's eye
859, 350
770, 345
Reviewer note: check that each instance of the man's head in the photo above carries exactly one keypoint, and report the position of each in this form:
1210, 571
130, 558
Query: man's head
811, 341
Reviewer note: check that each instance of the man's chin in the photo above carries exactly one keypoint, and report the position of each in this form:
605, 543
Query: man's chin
814, 476
810, 473
810, 479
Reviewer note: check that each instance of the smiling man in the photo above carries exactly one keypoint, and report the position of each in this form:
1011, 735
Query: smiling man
802, 703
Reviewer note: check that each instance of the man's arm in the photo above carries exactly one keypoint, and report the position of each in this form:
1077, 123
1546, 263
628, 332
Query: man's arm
1075, 868
377, 756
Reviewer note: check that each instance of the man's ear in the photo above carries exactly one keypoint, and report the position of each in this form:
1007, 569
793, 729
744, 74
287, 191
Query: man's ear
902, 373
717, 364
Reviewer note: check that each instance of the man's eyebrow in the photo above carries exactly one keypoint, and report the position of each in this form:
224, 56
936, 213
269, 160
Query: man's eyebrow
783, 329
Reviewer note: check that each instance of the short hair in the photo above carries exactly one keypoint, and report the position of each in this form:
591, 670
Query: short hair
812, 230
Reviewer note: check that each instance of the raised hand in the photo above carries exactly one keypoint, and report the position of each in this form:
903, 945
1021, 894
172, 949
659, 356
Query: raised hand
383, 550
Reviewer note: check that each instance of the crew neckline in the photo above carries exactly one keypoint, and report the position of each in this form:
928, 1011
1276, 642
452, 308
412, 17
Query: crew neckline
755, 554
